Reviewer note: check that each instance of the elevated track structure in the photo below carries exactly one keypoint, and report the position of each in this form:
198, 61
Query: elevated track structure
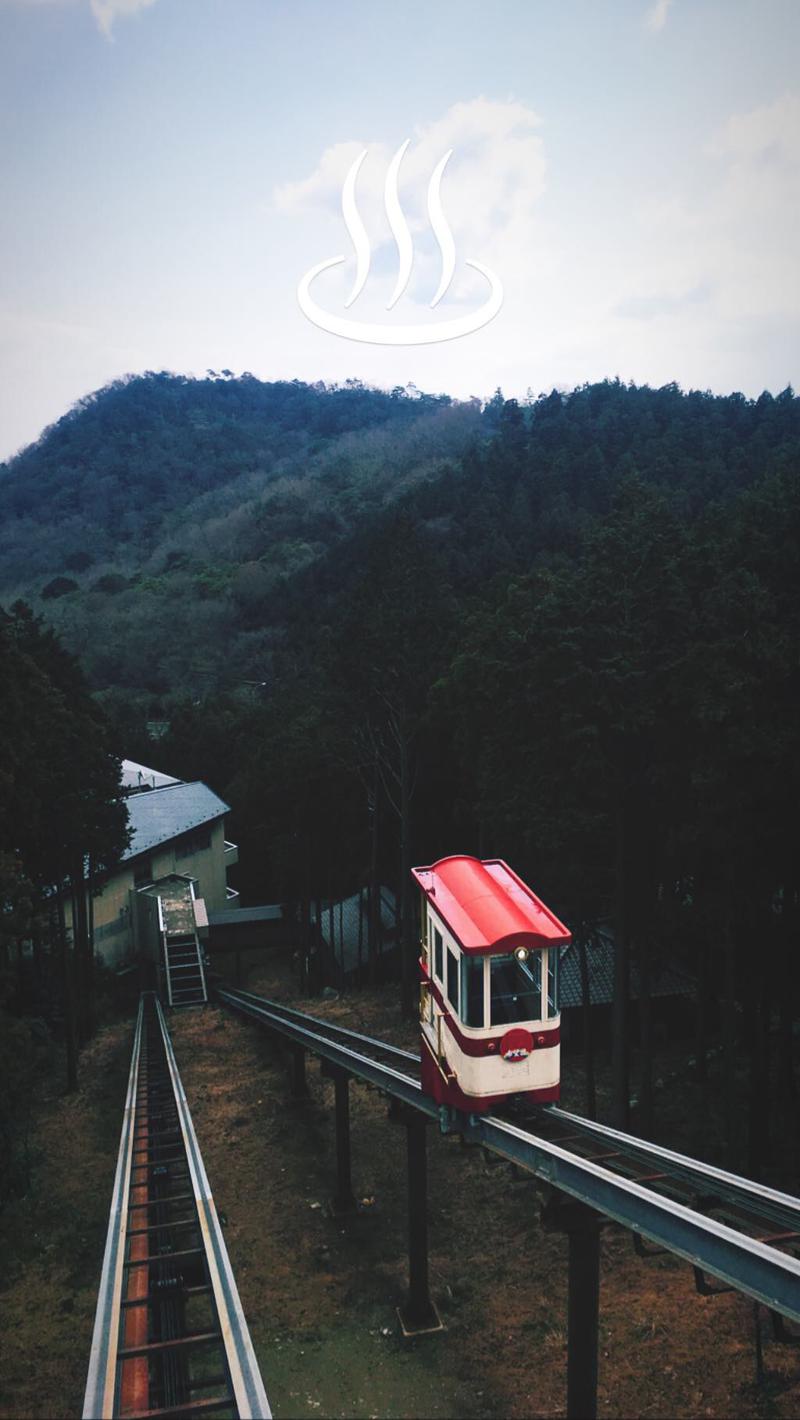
735, 1230
170, 1337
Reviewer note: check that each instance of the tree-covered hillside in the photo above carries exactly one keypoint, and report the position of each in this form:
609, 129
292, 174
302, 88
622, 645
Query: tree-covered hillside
174, 530
164, 505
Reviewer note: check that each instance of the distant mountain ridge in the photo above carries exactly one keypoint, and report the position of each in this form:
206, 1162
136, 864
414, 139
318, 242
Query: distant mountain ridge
163, 501
126, 458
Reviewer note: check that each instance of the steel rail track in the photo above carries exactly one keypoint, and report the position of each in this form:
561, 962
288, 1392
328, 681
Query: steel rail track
738, 1259
701, 1180
170, 1337
715, 1186
336, 1032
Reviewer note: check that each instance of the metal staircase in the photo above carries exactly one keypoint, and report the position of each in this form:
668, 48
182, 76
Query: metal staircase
183, 964
184, 973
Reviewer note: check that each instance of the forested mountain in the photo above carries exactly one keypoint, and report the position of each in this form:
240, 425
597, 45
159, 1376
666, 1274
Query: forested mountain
130, 455
159, 516
388, 627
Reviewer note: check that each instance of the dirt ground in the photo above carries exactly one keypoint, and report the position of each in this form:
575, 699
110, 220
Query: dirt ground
320, 1293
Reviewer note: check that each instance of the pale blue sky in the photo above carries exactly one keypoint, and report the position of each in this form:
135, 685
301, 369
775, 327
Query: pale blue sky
631, 174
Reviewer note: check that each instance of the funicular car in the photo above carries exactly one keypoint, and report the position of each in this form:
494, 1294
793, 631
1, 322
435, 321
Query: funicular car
489, 1011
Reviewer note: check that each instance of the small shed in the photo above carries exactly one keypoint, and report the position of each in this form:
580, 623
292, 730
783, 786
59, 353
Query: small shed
672, 989
341, 932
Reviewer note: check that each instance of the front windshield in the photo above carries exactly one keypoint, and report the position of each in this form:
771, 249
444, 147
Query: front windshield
516, 989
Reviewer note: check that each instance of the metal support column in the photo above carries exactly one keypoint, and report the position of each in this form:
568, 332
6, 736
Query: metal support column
759, 1357
298, 1073
582, 1226
344, 1202
418, 1315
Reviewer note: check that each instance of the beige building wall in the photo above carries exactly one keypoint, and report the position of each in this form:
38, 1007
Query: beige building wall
113, 935
200, 855
113, 900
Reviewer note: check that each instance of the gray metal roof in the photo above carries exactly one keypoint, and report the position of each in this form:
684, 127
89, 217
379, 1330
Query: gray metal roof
666, 980
162, 814
346, 929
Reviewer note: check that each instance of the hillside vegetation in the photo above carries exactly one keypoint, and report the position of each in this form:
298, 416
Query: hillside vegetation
387, 627
158, 521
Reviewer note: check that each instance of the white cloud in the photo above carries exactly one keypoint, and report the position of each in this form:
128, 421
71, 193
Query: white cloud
105, 12
769, 132
656, 17
709, 284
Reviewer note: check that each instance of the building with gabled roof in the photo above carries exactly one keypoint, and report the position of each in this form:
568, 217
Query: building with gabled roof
341, 931
668, 979
177, 829
671, 989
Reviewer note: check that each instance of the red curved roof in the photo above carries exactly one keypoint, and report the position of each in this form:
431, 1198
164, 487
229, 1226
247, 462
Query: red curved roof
486, 906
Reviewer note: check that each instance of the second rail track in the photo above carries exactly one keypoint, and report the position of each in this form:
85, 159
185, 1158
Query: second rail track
739, 1231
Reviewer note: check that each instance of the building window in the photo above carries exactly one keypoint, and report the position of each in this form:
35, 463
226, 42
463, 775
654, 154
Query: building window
143, 872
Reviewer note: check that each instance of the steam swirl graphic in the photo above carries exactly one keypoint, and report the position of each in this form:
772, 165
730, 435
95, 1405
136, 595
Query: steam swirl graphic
356, 229
388, 334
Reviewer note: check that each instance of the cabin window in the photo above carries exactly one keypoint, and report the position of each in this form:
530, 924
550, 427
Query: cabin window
516, 989
472, 991
438, 968
552, 981
452, 979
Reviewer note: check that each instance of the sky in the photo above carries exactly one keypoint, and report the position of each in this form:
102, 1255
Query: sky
629, 170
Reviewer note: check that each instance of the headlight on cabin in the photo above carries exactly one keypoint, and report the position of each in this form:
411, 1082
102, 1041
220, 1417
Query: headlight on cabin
521, 954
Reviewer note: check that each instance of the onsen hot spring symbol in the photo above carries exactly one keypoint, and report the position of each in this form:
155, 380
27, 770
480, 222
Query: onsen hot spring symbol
388, 334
